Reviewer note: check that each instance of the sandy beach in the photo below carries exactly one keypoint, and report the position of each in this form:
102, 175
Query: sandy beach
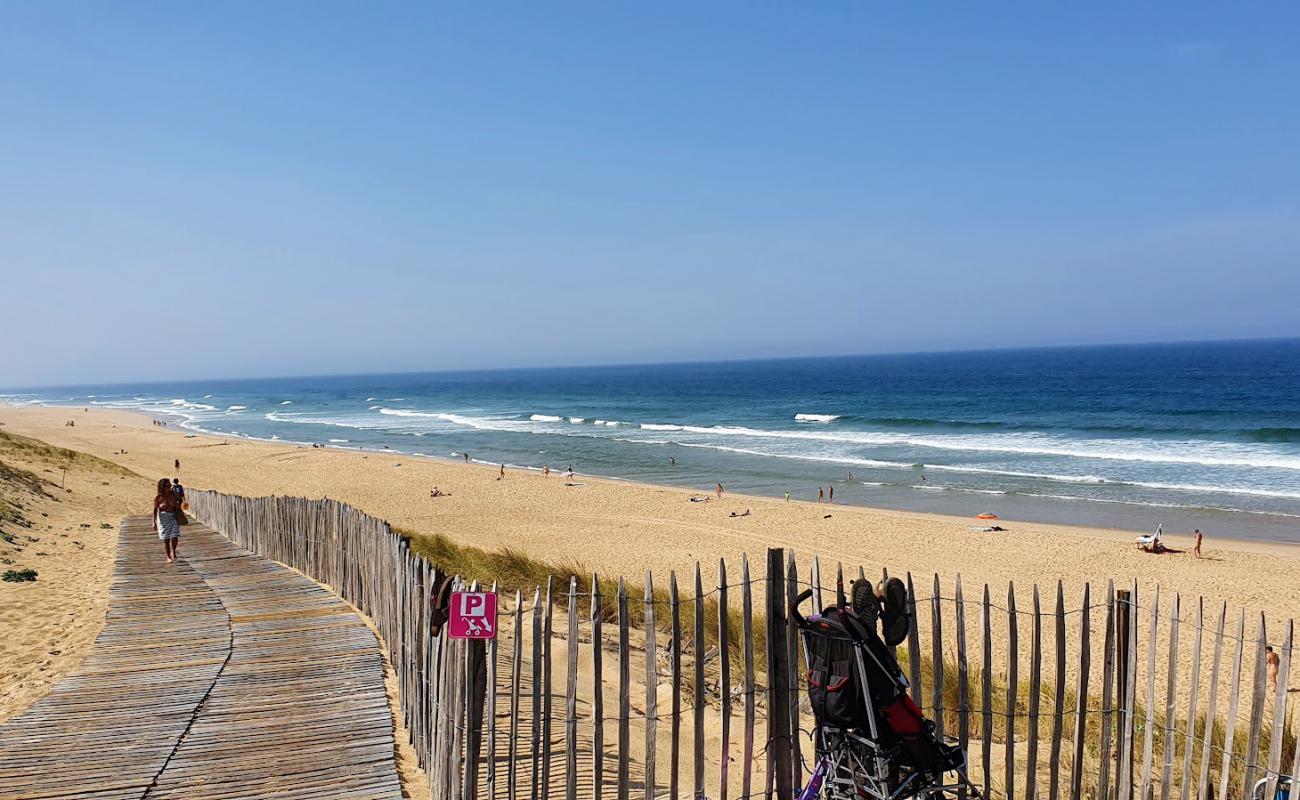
622, 528
613, 527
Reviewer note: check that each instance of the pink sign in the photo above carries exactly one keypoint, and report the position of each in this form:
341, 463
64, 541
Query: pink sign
472, 615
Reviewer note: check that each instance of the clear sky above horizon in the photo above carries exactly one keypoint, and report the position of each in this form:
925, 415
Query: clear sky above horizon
207, 190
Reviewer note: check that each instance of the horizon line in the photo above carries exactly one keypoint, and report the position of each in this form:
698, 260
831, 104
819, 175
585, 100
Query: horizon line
608, 365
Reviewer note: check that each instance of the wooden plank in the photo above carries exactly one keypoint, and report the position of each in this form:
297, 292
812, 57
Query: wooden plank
675, 724
125, 708
1013, 690
913, 646
779, 733
571, 698
792, 647
1211, 709
491, 710
1189, 739
986, 681
697, 740
1035, 698
1171, 702
548, 693
936, 657
536, 719
724, 680
1107, 707
963, 679
597, 694
1058, 700
1081, 695
651, 688
624, 694
1148, 740
1234, 693
1279, 712
1256, 722
191, 632
1128, 634
747, 627
516, 667
817, 583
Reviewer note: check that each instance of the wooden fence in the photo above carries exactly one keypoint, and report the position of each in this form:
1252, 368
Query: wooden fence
1124, 695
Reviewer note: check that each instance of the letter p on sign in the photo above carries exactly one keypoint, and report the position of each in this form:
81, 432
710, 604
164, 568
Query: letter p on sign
473, 615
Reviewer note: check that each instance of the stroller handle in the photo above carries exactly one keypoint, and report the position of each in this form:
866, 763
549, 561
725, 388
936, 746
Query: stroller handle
794, 607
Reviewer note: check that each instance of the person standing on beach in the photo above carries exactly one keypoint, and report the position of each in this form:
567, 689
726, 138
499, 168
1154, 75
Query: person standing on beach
178, 465
832, 497
165, 523
719, 491
1197, 548
787, 497
821, 495
1273, 662
503, 472
466, 457
546, 470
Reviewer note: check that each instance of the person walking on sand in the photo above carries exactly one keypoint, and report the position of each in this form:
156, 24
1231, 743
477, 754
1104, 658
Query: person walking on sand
719, 491
466, 457
503, 472
1197, 548
178, 465
165, 506
821, 495
546, 470
1272, 661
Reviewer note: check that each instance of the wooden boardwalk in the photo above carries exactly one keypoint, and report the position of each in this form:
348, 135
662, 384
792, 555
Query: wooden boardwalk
224, 675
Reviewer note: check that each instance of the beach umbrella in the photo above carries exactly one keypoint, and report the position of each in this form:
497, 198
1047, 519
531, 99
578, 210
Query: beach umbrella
986, 515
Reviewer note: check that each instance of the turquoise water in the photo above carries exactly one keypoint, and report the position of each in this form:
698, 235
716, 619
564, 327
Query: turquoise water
1189, 435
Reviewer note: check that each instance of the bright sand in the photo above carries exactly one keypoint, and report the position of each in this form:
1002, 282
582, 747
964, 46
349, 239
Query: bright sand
622, 528
615, 527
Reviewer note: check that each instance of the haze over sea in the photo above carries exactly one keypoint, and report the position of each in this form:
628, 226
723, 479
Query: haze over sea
1189, 435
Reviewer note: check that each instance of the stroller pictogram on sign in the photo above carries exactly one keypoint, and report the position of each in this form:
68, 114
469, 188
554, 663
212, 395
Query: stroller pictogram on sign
472, 615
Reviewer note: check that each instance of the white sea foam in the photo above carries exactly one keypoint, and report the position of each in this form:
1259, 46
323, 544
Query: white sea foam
339, 441
286, 402
236, 408
1171, 452
370, 399
376, 408
481, 423
545, 418
181, 402
577, 420
816, 417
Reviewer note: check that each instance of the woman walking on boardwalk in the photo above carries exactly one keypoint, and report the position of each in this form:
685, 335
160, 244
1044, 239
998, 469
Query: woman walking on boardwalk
165, 506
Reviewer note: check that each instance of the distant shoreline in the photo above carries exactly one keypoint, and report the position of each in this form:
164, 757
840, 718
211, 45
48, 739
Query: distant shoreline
1082, 529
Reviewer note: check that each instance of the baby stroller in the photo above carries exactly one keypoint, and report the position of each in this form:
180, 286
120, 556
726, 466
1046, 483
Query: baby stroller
872, 741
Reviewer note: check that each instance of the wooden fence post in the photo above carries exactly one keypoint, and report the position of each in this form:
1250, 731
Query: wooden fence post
697, 739
1081, 695
724, 680
778, 678
651, 687
597, 694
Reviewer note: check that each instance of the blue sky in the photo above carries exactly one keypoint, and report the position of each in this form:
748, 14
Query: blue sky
204, 190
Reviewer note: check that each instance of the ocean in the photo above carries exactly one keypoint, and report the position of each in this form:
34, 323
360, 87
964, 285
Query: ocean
1196, 435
